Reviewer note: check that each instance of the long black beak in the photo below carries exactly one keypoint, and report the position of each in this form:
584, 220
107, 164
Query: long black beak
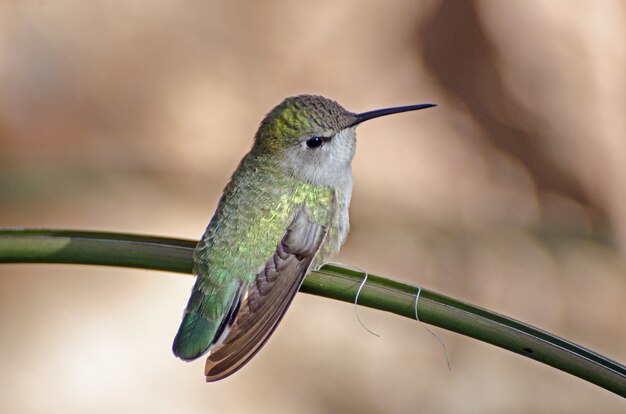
388, 111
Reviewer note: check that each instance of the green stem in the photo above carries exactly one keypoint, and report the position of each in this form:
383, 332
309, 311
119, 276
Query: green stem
331, 281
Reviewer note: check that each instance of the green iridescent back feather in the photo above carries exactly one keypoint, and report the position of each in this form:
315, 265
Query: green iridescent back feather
256, 208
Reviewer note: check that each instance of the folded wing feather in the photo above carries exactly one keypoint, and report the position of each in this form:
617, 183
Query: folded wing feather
267, 299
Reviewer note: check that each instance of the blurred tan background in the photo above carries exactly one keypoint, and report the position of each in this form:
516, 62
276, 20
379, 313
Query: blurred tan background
131, 116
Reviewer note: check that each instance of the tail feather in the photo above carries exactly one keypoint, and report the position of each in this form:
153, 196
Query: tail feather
207, 321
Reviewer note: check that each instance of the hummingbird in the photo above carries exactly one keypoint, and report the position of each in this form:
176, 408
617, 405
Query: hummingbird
283, 213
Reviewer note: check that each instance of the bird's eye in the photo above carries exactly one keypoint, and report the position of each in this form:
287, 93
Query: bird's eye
314, 142
317, 141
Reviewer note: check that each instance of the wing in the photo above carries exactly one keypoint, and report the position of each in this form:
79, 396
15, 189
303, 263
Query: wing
268, 298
